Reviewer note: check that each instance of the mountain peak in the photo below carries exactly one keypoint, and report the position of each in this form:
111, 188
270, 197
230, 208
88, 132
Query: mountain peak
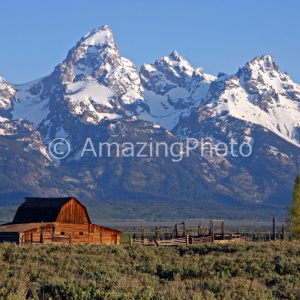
265, 62
175, 55
267, 57
98, 36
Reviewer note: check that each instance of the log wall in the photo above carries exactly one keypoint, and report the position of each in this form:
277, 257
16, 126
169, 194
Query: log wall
71, 233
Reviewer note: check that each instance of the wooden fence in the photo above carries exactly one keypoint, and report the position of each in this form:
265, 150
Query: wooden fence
194, 236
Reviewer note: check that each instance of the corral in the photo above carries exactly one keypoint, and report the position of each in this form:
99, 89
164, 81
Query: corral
180, 234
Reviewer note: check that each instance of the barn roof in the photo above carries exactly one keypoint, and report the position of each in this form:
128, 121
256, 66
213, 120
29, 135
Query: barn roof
35, 210
19, 227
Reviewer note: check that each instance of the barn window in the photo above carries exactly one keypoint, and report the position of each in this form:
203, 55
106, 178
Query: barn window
80, 233
62, 233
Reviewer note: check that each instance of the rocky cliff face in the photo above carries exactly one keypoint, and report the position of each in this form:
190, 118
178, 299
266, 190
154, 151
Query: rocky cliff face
93, 83
257, 94
257, 105
172, 88
8, 95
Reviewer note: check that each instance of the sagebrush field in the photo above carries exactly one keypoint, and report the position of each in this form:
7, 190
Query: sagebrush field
212, 271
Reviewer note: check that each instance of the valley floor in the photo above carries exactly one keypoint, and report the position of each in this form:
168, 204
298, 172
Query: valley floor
234, 271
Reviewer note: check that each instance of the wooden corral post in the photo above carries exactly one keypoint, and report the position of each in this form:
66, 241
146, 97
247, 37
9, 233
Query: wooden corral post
160, 233
130, 240
156, 232
42, 237
212, 231
53, 235
187, 239
143, 232
283, 231
184, 229
31, 237
176, 230
199, 229
70, 240
101, 237
223, 230
274, 228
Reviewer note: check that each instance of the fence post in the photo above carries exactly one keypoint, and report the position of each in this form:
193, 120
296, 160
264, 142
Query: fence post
54, 227
160, 233
130, 240
31, 236
176, 230
283, 231
187, 239
70, 240
101, 237
223, 230
143, 232
212, 232
274, 228
42, 238
199, 229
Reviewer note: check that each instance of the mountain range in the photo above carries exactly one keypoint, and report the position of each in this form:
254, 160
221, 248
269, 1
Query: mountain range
95, 93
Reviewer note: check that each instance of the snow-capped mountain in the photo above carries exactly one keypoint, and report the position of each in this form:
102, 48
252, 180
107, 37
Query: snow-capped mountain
95, 93
172, 88
92, 84
257, 94
22, 131
257, 105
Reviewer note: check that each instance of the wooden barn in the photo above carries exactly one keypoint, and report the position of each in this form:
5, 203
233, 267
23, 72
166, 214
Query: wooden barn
55, 220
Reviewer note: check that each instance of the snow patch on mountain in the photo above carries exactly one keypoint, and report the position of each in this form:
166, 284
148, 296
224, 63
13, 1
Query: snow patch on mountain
98, 36
96, 56
172, 88
8, 94
31, 106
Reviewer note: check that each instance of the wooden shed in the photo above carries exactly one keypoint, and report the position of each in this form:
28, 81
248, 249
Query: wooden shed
55, 220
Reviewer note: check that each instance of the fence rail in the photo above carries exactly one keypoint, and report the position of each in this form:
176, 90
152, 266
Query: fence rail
204, 234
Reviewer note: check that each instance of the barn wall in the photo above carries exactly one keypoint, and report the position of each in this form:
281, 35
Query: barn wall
73, 212
110, 236
81, 233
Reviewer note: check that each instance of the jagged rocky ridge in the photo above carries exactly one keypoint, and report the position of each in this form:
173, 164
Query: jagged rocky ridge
96, 93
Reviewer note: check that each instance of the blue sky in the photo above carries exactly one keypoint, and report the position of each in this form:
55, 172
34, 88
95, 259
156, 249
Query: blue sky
217, 35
